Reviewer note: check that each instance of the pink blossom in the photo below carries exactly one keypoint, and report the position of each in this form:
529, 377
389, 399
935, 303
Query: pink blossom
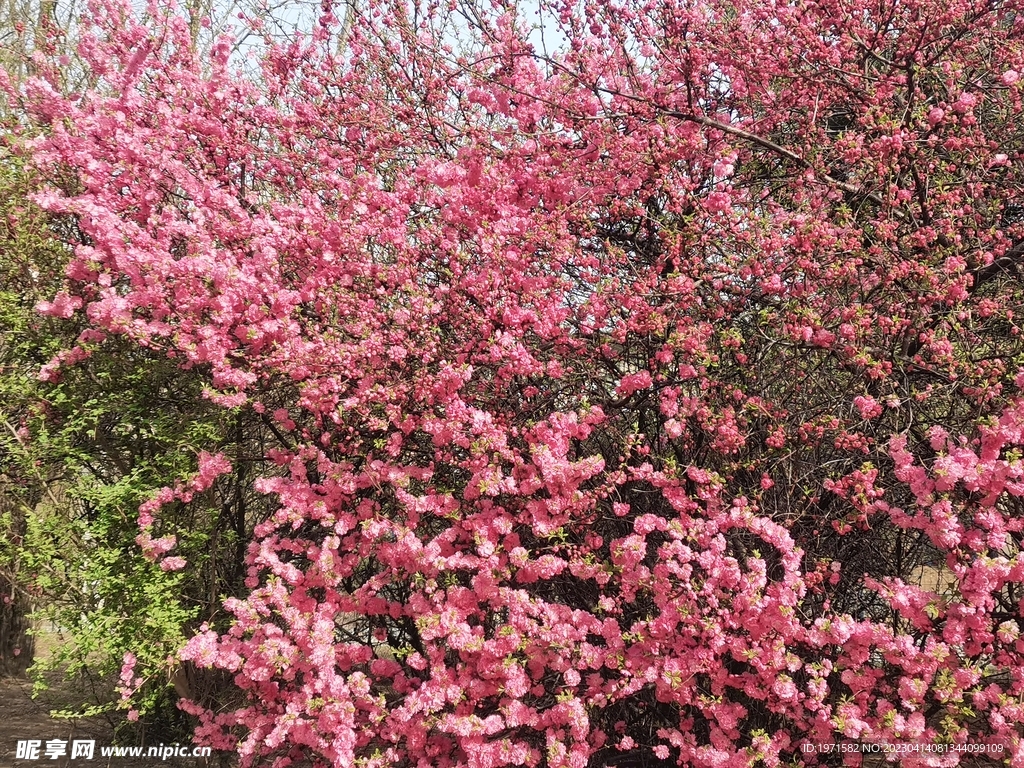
965, 102
867, 406
558, 365
718, 202
63, 306
634, 382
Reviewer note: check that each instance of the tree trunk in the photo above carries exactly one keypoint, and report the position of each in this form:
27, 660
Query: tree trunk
17, 646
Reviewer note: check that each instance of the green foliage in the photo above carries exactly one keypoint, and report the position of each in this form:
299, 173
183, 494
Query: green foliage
78, 455
27, 259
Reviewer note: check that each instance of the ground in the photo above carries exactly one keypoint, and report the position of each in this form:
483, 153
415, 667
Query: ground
24, 718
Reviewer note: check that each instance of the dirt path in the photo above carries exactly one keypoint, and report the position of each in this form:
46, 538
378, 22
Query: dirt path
23, 718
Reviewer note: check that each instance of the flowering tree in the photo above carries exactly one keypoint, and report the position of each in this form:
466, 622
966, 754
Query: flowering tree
78, 456
658, 398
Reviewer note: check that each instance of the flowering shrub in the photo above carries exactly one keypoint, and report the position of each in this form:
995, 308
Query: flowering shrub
623, 396
78, 456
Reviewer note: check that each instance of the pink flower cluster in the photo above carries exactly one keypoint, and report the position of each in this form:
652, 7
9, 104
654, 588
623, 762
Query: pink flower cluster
559, 360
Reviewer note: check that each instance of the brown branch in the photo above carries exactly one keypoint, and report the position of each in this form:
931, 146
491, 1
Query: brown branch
780, 150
